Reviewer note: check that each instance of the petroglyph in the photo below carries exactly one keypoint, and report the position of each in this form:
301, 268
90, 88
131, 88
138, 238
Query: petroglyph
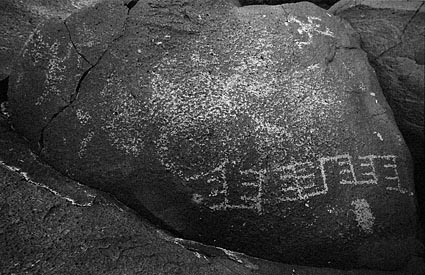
82, 116
83, 144
298, 181
125, 117
301, 184
54, 74
247, 202
79, 4
313, 26
364, 216
379, 135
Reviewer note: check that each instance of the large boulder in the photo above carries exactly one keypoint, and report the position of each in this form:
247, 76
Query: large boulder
52, 225
392, 33
261, 129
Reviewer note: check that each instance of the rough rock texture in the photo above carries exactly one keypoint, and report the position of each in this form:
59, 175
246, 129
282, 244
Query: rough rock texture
321, 3
52, 225
260, 129
393, 35
19, 18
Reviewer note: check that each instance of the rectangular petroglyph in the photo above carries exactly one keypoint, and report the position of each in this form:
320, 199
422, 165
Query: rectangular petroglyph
302, 183
255, 181
303, 180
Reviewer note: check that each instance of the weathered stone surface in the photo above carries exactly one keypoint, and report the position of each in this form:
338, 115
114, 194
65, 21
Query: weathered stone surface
392, 33
52, 225
14, 27
66, 67
260, 129
321, 3
19, 18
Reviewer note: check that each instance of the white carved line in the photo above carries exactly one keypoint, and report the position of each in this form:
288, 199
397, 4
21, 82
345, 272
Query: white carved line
309, 28
300, 189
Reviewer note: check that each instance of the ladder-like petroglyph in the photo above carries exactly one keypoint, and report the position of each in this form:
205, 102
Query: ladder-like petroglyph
298, 181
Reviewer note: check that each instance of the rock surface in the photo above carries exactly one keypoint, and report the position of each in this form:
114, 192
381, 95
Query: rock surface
260, 129
19, 18
321, 3
52, 225
392, 33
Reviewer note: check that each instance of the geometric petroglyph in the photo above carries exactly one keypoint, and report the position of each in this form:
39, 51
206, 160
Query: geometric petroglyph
298, 181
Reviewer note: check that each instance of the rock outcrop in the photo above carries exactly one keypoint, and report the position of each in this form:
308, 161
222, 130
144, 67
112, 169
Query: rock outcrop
259, 129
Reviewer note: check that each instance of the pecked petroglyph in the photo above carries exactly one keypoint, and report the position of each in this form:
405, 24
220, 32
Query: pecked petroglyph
313, 26
364, 216
297, 181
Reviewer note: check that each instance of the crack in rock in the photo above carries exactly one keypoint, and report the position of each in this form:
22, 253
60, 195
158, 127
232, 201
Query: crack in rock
402, 32
73, 44
130, 4
333, 51
71, 101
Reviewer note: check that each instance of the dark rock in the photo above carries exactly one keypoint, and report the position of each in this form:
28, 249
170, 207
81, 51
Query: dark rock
19, 18
392, 33
321, 3
259, 129
4, 86
60, 55
52, 225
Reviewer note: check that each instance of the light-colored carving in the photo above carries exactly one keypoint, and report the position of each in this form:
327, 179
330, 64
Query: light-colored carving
364, 215
303, 180
310, 27
345, 162
372, 172
304, 186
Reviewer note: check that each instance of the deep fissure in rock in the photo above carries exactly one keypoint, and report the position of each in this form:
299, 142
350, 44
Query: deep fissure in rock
131, 5
142, 211
72, 99
74, 96
4, 85
73, 44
